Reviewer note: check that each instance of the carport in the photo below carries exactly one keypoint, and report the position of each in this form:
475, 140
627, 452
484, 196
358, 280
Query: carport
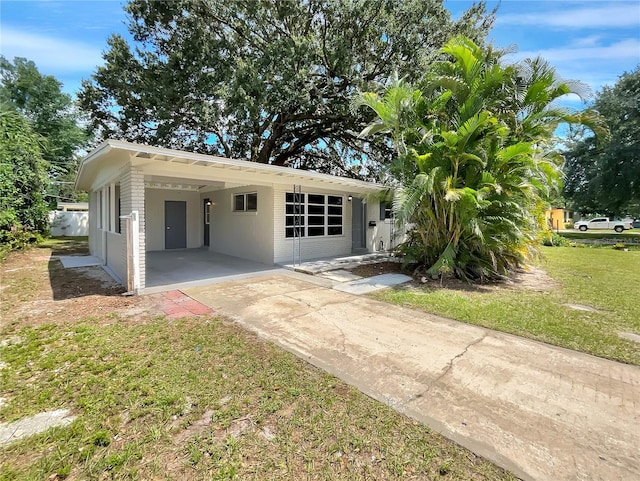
152, 209
176, 269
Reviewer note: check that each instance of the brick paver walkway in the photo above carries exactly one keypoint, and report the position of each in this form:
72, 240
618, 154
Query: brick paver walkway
176, 304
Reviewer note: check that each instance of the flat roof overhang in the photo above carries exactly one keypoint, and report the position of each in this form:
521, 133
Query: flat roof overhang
177, 164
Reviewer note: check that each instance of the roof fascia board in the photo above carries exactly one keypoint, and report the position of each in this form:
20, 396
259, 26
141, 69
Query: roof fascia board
242, 164
96, 153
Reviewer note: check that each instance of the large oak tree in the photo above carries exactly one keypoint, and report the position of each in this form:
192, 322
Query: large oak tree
263, 80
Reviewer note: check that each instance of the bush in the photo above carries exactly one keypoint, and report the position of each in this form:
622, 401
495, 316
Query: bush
569, 225
17, 239
554, 239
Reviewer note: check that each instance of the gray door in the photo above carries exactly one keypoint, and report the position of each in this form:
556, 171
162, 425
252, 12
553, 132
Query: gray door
357, 225
175, 224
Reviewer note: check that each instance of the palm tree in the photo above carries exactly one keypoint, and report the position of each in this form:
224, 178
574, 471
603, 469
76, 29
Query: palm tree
474, 158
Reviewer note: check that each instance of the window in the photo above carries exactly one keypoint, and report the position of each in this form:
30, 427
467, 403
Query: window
118, 210
109, 209
385, 210
245, 202
313, 215
98, 197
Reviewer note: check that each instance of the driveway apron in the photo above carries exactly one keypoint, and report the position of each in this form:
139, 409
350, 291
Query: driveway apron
542, 412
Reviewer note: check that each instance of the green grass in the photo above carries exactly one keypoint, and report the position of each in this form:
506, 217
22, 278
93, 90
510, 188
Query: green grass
129, 382
605, 279
633, 235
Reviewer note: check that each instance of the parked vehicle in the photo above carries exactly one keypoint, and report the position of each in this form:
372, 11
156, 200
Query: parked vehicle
603, 223
636, 224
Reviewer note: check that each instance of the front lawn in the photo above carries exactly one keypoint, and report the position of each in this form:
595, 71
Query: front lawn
196, 398
608, 235
606, 280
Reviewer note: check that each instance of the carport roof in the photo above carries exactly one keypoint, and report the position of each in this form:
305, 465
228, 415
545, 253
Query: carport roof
103, 155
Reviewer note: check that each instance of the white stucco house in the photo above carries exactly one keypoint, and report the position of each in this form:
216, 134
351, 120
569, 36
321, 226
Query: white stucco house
145, 199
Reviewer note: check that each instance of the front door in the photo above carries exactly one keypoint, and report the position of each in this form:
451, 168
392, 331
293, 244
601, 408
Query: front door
175, 224
207, 221
358, 241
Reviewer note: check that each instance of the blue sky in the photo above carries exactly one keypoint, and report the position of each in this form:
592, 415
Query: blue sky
591, 41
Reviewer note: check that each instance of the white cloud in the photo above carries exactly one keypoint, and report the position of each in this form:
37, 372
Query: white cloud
50, 54
628, 49
619, 14
596, 65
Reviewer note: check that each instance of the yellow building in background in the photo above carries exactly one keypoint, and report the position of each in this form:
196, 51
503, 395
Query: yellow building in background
558, 217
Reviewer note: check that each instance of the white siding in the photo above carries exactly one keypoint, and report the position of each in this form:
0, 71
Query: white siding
154, 219
383, 231
94, 234
242, 234
311, 247
117, 256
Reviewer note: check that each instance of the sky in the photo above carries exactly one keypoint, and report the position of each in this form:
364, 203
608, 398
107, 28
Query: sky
591, 41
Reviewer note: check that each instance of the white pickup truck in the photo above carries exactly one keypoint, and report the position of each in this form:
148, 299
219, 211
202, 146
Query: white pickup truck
603, 223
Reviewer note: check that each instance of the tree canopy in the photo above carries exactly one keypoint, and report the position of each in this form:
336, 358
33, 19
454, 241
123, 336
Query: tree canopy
604, 176
23, 175
51, 114
475, 158
265, 81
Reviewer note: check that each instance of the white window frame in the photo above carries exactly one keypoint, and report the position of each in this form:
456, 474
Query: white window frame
99, 216
304, 215
245, 196
113, 204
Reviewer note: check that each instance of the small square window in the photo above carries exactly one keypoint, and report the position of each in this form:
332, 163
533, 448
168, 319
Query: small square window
299, 232
316, 210
245, 202
316, 199
238, 202
252, 202
295, 197
385, 210
294, 209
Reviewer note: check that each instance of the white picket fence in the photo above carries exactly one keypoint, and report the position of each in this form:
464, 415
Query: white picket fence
71, 224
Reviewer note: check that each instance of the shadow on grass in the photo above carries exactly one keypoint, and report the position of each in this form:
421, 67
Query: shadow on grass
76, 282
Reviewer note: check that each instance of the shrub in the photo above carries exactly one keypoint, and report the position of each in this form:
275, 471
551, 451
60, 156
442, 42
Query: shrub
554, 239
17, 239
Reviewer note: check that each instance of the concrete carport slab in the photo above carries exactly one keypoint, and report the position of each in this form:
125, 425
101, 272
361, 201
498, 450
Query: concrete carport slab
542, 412
180, 268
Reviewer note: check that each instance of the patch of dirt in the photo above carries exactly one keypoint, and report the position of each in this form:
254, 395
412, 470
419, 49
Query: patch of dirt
36, 289
370, 270
195, 428
531, 278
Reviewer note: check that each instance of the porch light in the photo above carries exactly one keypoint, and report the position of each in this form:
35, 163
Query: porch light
209, 202
350, 198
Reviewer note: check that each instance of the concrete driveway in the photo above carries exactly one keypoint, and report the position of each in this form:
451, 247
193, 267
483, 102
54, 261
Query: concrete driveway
542, 412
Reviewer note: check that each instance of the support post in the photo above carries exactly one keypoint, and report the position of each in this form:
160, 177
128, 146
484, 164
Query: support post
133, 252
